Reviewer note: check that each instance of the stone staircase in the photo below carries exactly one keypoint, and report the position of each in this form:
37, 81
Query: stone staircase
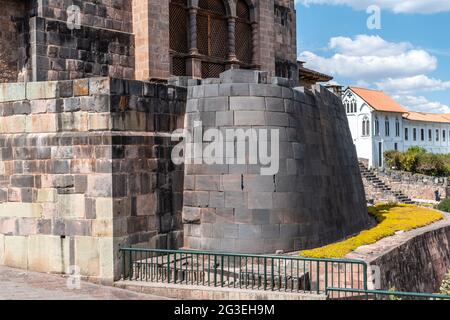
370, 176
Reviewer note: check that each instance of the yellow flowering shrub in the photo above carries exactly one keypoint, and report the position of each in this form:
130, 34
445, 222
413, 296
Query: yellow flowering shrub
391, 218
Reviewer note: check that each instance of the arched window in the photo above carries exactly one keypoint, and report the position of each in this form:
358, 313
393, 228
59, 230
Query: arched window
387, 128
243, 35
377, 127
178, 29
347, 109
212, 37
365, 127
354, 106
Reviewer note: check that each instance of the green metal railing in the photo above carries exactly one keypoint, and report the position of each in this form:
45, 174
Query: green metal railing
257, 272
384, 295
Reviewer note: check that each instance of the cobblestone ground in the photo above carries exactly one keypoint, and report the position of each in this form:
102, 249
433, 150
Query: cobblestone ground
24, 285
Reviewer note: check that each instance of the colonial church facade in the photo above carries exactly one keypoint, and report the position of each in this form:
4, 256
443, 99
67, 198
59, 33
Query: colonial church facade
379, 124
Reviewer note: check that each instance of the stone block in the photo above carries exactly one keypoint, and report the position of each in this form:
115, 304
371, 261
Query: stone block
98, 122
249, 118
217, 199
42, 90
258, 183
42, 123
234, 89
2, 249
247, 104
81, 87
271, 231
102, 228
235, 199
99, 86
207, 182
243, 76
211, 90
192, 215
12, 92
213, 104
71, 206
224, 118
13, 124
277, 119
260, 200
48, 253
275, 104
8, 226
16, 252
20, 210
247, 231
99, 185
108, 258
87, 255
78, 227
289, 231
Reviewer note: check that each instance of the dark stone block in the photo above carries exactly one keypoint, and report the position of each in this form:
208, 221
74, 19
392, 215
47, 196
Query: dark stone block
90, 208
119, 185
24, 181
59, 227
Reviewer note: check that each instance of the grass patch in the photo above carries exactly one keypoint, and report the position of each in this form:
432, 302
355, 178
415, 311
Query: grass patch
391, 218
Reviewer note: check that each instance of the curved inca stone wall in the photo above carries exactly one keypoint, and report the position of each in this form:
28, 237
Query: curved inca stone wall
315, 198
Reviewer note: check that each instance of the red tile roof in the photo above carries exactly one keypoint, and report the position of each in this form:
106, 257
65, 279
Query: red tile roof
378, 100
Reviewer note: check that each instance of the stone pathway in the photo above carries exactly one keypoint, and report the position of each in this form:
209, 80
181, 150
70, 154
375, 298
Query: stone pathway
18, 284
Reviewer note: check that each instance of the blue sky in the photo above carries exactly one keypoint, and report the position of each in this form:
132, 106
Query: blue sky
409, 57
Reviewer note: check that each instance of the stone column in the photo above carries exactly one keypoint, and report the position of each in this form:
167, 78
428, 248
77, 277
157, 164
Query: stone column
193, 31
255, 43
232, 39
193, 63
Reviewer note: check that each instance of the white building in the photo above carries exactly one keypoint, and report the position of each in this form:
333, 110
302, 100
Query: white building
379, 124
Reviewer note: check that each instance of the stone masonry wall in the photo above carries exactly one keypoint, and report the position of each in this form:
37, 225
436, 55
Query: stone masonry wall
415, 261
105, 14
49, 50
317, 196
415, 186
62, 54
9, 39
85, 169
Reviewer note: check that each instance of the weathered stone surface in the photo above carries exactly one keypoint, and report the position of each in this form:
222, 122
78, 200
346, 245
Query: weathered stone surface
16, 251
287, 210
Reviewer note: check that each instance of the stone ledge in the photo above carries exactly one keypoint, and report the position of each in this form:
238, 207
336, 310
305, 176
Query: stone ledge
190, 292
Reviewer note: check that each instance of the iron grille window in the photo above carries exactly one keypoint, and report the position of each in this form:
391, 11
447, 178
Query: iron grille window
243, 35
178, 37
212, 29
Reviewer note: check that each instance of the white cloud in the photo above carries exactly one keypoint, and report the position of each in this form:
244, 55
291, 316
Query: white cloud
396, 6
364, 45
412, 84
421, 104
371, 57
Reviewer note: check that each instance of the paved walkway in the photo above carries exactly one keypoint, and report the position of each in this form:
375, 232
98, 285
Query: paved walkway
25, 285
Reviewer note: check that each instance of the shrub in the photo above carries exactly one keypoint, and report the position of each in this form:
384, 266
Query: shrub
392, 158
409, 161
445, 286
418, 160
430, 164
444, 205
390, 217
